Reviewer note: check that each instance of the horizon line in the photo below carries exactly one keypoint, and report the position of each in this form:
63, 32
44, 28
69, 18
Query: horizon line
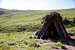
38, 9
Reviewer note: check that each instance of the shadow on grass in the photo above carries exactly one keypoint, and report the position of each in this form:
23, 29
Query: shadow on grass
70, 41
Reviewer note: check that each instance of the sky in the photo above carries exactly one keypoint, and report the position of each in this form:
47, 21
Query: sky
37, 4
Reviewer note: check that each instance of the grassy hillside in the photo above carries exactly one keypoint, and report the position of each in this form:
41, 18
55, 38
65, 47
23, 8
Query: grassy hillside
18, 27
30, 20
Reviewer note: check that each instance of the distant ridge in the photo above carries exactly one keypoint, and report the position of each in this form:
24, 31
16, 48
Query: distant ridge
6, 12
3, 9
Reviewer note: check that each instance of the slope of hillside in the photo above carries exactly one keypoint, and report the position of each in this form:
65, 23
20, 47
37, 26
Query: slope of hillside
28, 19
18, 28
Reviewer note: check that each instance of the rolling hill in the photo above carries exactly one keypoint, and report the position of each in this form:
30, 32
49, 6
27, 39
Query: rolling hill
18, 28
11, 20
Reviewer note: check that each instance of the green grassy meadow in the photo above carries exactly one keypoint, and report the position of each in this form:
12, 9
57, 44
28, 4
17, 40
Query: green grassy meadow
18, 28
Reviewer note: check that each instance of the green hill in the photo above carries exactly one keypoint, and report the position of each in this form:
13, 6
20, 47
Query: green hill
30, 20
18, 27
